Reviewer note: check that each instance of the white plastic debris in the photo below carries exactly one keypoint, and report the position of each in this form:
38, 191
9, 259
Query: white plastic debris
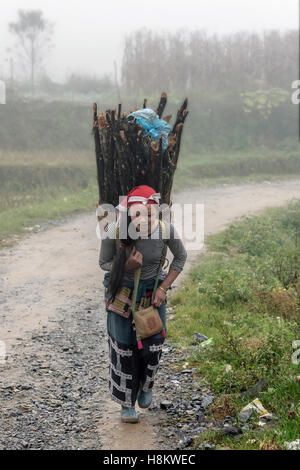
255, 405
295, 445
206, 343
265, 419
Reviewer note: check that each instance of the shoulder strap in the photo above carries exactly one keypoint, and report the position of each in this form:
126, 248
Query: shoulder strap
163, 255
137, 274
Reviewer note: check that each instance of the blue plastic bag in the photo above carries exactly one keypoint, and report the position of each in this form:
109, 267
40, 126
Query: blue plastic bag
152, 125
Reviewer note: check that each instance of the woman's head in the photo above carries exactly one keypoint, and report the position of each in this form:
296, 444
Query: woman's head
144, 217
142, 194
140, 208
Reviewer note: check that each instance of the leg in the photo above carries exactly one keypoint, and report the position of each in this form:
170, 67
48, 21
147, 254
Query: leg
123, 378
149, 358
148, 367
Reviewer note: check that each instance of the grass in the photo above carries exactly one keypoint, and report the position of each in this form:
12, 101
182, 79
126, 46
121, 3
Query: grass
19, 220
231, 167
40, 185
245, 294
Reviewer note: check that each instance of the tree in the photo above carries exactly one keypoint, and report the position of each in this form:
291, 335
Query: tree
33, 34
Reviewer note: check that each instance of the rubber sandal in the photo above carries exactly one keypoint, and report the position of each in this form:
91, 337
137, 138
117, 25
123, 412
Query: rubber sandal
144, 399
129, 415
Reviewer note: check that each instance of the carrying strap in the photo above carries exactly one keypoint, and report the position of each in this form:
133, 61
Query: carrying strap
137, 272
117, 233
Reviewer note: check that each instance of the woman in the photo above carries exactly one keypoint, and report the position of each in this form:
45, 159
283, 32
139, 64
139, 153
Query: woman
132, 370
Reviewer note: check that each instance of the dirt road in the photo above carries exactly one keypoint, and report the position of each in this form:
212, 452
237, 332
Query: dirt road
53, 389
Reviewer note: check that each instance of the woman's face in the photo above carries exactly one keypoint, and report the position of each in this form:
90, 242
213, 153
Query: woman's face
144, 216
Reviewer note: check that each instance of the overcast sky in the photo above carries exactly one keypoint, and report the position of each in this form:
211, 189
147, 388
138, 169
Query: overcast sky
88, 34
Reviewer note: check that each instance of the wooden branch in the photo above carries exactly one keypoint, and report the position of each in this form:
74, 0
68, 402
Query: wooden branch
162, 105
99, 157
160, 166
180, 115
95, 112
175, 160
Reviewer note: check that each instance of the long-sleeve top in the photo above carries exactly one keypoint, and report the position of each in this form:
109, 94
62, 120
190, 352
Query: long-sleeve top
151, 249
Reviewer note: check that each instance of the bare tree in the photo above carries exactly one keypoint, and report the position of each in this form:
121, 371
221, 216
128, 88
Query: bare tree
197, 61
33, 33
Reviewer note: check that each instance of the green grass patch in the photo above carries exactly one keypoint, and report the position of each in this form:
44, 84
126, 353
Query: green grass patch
230, 167
246, 296
40, 186
36, 183
20, 220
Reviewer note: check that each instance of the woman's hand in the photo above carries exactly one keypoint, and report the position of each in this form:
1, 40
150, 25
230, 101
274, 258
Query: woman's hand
134, 260
159, 298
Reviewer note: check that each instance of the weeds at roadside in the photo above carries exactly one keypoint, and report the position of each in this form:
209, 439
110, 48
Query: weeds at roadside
246, 297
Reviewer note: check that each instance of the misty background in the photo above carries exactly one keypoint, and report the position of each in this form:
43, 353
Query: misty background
89, 36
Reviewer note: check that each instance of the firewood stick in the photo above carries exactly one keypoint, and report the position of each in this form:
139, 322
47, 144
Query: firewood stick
162, 105
127, 162
99, 156
178, 142
99, 163
175, 160
168, 170
160, 165
105, 137
179, 116
113, 117
183, 106
183, 117
95, 112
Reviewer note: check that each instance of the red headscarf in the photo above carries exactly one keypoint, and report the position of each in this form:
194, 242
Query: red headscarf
139, 195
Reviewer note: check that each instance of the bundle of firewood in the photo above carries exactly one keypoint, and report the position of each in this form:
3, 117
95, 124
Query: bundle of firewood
126, 159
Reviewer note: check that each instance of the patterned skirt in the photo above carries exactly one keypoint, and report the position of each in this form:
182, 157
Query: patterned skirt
132, 369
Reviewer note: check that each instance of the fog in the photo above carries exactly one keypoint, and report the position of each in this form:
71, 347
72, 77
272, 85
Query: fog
88, 36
